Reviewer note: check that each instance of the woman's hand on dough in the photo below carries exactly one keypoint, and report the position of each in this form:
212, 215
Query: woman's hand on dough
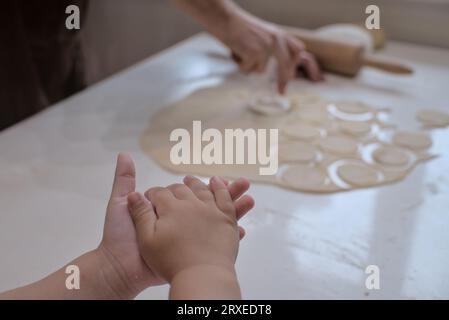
253, 42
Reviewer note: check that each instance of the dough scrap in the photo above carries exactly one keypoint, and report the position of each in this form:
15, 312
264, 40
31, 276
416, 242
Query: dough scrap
297, 151
270, 105
301, 131
433, 118
358, 174
412, 140
391, 156
305, 178
339, 144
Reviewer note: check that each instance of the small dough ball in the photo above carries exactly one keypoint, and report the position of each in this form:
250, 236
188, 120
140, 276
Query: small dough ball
412, 140
391, 156
301, 131
305, 178
433, 118
270, 105
355, 128
358, 174
297, 151
352, 107
339, 144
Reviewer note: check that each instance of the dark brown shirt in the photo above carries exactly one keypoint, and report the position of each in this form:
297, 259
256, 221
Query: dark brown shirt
41, 61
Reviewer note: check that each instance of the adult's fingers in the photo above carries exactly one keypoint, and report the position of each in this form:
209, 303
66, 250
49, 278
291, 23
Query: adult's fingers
286, 65
311, 66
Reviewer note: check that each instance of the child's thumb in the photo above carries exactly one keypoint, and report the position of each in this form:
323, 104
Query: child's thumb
142, 213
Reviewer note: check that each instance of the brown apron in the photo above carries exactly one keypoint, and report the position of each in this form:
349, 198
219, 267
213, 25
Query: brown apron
41, 61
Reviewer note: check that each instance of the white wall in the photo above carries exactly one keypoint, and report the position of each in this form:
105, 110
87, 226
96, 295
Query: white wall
119, 33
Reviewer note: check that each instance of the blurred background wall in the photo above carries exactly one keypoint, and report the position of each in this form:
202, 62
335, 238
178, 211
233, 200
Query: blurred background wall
119, 33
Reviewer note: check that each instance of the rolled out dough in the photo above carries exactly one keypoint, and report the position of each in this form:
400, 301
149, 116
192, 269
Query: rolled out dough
312, 138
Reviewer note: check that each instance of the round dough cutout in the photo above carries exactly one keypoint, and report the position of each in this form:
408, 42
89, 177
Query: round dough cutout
270, 105
297, 151
412, 140
355, 128
305, 178
339, 144
358, 174
391, 156
301, 131
433, 118
352, 107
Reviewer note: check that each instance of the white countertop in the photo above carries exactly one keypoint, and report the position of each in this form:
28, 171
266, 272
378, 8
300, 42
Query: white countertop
56, 172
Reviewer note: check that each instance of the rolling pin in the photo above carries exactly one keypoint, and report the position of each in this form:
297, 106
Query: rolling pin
344, 57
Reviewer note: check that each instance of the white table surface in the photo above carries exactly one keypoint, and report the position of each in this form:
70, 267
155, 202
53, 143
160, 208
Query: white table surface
56, 171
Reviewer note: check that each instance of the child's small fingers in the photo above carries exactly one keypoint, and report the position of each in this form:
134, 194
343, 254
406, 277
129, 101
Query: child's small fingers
243, 205
242, 233
159, 197
181, 191
238, 187
225, 181
223, 199
142, 213
200, 189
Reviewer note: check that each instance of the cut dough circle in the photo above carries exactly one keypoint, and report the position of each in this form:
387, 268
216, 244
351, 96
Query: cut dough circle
412, 140
352, 107
391, 156
305, 178
433, 118
358, 174
318, 116
355, 127
301, 131
270, 105
297, 151
339, 144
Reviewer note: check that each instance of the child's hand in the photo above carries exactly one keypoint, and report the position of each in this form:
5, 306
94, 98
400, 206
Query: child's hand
186, 226
127, 273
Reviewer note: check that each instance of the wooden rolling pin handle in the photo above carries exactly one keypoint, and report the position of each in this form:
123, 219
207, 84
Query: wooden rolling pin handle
386, 65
